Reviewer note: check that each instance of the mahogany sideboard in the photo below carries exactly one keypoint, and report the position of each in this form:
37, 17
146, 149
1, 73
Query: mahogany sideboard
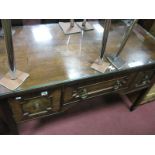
60, 72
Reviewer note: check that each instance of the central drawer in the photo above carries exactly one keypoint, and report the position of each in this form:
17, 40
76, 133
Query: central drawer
35, 105
74, 93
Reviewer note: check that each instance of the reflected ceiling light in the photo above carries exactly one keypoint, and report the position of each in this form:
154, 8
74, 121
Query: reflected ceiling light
73, 74
41, 33
136, 63
99, 28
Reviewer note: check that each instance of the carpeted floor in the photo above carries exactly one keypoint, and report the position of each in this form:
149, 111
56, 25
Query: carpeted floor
102, 115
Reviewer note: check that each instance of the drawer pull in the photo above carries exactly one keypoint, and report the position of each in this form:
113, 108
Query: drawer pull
118, 84
82, 93
35, 114
39, 113
101, 90
144, 82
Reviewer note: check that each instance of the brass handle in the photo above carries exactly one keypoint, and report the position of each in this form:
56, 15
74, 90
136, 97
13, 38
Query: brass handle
144, 82
35, 114
117, 85
81, 93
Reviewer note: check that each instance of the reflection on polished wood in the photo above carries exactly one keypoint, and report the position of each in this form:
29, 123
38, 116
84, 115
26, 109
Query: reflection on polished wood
51, 57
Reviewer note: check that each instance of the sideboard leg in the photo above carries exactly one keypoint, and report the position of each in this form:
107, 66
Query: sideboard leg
8, 118
139, 99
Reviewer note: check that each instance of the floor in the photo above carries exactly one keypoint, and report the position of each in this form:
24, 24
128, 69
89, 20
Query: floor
99, 116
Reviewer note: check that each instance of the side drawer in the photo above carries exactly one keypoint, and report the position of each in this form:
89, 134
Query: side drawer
34, 105
75, 93
143, 78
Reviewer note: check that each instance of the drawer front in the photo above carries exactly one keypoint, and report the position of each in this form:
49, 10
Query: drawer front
143, 78
35, 105
92, 89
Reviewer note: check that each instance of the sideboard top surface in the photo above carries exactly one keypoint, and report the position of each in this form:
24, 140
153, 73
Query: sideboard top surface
50, 57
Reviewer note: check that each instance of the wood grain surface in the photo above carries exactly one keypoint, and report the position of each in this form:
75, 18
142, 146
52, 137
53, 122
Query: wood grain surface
51, 57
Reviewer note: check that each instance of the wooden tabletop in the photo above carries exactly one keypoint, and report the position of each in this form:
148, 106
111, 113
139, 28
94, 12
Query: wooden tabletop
51, 57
